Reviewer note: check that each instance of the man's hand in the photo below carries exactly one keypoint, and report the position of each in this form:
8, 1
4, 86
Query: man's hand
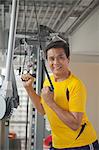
47, 95
27, 80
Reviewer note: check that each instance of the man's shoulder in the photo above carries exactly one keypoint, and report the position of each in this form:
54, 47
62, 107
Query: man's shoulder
75, 80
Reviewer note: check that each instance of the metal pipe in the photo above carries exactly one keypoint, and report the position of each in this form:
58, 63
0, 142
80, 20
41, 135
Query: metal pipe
10, 42
7, 86
39, 120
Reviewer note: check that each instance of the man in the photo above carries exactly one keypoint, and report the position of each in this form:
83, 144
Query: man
65, 106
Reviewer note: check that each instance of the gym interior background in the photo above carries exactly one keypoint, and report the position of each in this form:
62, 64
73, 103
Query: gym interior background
24, 25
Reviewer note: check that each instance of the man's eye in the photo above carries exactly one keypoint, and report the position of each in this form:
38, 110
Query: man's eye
51, 59
61, 57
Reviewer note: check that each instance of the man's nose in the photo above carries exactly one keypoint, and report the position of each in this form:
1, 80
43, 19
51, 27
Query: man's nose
56, 60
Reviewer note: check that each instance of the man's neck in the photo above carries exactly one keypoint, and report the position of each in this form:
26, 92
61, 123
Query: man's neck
62, 77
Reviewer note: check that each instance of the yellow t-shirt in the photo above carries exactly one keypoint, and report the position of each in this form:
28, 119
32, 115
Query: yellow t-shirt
62, 135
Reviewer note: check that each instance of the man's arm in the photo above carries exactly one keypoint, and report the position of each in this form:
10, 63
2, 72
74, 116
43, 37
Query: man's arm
27, 82
71, 119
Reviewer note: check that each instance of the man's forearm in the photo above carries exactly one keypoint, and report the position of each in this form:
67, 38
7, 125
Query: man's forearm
35, 99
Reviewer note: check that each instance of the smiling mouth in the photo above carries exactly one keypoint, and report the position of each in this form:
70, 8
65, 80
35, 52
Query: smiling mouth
57, 68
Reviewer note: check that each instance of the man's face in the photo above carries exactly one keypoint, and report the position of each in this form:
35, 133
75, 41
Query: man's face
57, 60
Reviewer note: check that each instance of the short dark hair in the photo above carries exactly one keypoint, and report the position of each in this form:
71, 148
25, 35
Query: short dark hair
58, 44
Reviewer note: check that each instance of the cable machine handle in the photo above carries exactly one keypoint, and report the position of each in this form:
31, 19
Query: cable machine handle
51, 85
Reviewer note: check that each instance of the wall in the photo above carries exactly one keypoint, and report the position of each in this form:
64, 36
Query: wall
86, 38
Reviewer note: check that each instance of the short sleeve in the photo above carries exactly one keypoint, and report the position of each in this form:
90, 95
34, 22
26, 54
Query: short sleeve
77, 101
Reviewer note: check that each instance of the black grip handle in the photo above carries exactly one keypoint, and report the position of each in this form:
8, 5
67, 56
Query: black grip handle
51, 89
33, 75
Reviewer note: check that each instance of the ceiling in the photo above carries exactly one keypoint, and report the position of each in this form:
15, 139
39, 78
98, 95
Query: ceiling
53, 16
59, 15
